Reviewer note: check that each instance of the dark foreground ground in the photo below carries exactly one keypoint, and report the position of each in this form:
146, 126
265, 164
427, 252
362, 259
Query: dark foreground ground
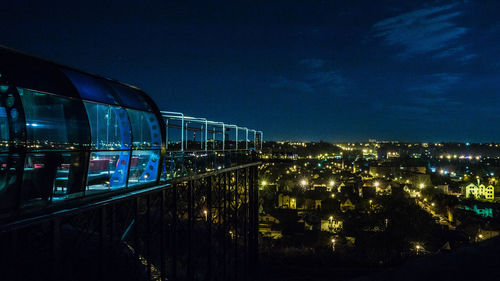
479, 261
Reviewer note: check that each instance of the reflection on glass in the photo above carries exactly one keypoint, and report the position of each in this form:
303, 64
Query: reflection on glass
143, 166
107, 170
130, 97
10, 168
146, 132
53, 122
174, 134
195, 136
91, 88
109, 126
214, 137
4, 129
52, 176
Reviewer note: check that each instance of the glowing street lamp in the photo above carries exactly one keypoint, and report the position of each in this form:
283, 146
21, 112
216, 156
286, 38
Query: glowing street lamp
418, 248
333, 245
377, 184
303, 183
264, 183
332, 183
205, 212
421, 185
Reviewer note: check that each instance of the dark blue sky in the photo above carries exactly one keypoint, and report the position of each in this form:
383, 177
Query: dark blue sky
310, 70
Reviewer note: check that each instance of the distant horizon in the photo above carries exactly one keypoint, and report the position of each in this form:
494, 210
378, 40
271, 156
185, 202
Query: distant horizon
330, 70
378, 141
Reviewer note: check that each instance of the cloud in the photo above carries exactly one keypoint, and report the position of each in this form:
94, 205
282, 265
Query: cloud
424, 31
285, 83
431, 94
436, 83
314, 78
312, 63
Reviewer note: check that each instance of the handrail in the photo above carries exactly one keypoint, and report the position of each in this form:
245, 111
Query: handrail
184, 119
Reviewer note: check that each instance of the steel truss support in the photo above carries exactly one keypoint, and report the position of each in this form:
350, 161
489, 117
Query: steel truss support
195, 228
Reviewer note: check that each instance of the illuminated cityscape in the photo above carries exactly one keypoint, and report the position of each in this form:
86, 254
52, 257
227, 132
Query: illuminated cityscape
249, 140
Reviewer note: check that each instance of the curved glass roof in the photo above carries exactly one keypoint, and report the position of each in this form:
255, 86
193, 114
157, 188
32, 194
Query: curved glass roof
35, 74
40, 75
90, 88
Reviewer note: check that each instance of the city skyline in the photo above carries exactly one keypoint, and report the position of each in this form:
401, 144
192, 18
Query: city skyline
413, 71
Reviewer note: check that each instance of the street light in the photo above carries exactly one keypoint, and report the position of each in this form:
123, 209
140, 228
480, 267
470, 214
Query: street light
332, 183
418, 247
421, 185
264, 183
377, 184
303, 182
333, 245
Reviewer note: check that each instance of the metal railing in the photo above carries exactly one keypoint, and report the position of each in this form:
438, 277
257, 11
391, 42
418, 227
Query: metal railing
169, 116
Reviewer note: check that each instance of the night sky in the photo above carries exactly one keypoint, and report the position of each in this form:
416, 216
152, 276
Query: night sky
311, 70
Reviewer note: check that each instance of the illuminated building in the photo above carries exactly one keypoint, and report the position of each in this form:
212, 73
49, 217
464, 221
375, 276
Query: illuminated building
480, 191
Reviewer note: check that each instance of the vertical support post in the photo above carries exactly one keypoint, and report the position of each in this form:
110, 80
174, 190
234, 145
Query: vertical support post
190, 230
136, 229
103, 250
223, 136
236, 128
148, 235
224, 227
175, 218
246, 138
182, 133
209, 222
236, 262
245, 224
56, 249
253, 229
163, 267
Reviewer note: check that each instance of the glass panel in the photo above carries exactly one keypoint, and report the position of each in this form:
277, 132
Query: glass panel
242, 138
91, 88
143, 166
53, 176
54, 122
107, 170
146, 132
174, 134
195, 136
109, 126
4, 130
251, 139
130, 97
11, 168
214, 137
12, 125
230, 141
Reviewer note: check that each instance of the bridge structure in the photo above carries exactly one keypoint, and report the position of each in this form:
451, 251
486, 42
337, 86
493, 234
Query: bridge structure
96, 183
